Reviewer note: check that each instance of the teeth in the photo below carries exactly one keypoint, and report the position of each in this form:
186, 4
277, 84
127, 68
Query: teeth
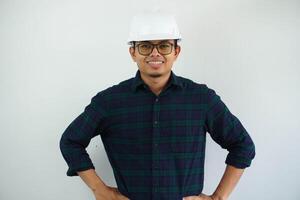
155, 62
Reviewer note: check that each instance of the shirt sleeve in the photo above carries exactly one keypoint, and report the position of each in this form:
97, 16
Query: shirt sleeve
228, 132
78, 135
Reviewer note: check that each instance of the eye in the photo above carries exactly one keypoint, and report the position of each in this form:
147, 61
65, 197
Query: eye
164, 46
145, 46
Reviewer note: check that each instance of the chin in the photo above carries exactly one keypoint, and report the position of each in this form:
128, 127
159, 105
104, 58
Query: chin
155, 75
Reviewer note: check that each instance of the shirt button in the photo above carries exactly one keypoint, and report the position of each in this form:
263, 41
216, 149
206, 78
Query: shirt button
155, 122
156, 100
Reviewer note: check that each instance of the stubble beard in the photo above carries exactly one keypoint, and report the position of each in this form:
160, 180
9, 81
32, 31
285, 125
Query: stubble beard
155, 75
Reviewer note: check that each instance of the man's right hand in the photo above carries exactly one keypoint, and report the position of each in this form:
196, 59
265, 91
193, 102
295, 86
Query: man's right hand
100, 189
109, 193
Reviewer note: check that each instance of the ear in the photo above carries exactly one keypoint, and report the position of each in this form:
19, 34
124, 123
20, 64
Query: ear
132, 53
177, 51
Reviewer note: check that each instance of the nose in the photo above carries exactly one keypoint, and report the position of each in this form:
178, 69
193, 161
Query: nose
154, 52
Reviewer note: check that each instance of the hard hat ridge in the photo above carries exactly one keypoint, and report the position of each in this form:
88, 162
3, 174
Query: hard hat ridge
153, 26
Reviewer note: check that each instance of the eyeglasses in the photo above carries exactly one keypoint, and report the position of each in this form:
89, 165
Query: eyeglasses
146, 48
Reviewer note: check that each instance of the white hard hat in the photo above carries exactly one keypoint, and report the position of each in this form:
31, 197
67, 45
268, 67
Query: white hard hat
153, 26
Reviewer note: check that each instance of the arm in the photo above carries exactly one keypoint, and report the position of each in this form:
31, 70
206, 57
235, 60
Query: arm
228, 182
78, 135
73, 145
229, 133
227, 130
100, 190
92, 180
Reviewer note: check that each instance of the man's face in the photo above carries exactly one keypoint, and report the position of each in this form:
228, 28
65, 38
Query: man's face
156, 64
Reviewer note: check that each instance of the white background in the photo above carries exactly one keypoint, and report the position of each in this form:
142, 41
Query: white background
56, 55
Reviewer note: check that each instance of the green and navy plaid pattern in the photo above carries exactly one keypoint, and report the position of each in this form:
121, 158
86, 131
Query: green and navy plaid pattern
156, 144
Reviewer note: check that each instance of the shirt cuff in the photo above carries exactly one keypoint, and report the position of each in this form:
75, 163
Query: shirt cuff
238, 161
72, 171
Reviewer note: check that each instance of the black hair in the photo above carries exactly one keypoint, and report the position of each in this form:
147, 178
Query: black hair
175, 43
133, 44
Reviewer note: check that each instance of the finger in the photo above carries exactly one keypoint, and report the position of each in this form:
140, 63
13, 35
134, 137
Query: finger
205, 197
122, 197
192, 198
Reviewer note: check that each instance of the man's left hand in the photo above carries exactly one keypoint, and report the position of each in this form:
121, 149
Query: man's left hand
199, 197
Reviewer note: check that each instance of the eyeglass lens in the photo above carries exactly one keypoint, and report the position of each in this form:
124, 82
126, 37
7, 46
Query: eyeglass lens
146, 48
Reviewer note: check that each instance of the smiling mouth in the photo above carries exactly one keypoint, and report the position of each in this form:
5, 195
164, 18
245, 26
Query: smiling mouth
155, 62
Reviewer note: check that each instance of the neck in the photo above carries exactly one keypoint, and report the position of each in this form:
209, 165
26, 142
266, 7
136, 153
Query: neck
156, 84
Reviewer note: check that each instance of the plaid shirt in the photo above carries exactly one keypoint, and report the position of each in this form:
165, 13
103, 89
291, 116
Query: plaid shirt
156, 144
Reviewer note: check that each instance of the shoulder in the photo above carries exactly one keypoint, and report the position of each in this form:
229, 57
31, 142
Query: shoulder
200, 92
193, 86
122, 87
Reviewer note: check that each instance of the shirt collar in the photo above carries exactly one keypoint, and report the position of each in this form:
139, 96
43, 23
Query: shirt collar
138, 81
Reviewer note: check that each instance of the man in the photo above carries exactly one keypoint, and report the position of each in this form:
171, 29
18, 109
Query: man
153, 127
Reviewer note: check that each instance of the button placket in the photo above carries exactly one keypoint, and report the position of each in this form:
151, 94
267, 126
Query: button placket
155, 147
